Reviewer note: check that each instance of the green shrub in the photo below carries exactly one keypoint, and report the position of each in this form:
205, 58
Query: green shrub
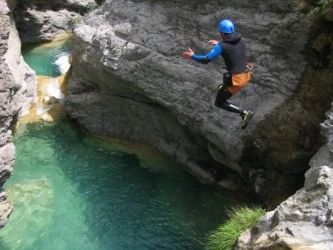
92, 6
100, 2
312, 8
241, 218
77, 20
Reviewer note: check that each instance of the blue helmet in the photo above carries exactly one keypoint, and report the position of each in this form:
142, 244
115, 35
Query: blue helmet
226, 26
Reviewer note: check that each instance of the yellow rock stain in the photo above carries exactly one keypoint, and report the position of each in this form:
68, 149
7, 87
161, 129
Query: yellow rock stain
48, 108
54, 108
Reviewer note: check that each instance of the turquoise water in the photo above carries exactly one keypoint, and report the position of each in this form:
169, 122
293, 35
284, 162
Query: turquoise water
48, 59
73, 192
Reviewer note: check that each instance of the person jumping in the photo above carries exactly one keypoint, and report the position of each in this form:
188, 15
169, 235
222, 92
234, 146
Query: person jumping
233, 50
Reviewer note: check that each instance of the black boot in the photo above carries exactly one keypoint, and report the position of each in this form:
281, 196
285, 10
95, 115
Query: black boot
246, 116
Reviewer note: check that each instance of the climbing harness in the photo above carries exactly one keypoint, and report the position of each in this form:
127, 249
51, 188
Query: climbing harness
249, 67
228, 80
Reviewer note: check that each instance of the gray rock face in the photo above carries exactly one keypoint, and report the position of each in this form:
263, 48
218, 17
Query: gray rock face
17, 92
42, 4
130, 51
41, 20
306, 218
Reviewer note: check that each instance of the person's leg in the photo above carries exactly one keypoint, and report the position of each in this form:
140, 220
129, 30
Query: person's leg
221, 101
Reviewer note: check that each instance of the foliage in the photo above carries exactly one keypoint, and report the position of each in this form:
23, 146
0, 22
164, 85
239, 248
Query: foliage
76, 20
92, 6
312, 8
100, 2
11, 4
241, 218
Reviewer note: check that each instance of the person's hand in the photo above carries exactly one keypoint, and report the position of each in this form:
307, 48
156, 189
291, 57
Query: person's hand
213, 42
188, 54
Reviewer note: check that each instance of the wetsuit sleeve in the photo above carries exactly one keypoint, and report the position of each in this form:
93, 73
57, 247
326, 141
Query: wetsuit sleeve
211, 55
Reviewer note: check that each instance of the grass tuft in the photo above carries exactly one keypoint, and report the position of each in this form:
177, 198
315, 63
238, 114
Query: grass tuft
241, 218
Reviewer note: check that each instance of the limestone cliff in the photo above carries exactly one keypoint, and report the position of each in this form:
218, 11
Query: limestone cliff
40, 20
305, 220
129, 81
37, 21
17, 92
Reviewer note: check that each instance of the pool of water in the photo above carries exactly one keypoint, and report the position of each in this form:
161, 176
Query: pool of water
73, 192
49, 59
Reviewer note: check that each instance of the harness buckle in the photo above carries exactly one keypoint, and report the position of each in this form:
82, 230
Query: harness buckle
249, 66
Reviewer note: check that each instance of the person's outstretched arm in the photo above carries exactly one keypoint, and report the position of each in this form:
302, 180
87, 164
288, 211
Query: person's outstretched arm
211, 55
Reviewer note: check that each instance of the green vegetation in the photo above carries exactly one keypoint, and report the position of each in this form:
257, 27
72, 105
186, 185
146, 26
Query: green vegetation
313, 8
100, 2
92, 6
11, 4
241, 218
77, 20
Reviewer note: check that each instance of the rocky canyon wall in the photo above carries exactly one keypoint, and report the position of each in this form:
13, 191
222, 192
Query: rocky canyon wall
129, 81
305, 220
37, 21
40, 20
17, 92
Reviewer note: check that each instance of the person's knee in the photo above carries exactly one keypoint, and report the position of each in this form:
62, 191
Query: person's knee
220, 103
222, 96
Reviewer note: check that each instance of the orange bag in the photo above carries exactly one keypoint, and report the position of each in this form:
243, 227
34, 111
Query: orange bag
239, 81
